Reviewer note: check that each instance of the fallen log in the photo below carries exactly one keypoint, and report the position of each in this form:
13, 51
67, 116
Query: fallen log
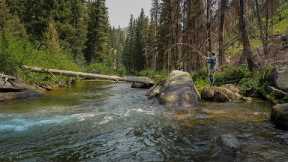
7, 77
143, 80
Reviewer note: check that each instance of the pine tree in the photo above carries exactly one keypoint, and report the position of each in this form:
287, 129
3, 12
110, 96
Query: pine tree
127, 56
97, 45
51, 38
140, 42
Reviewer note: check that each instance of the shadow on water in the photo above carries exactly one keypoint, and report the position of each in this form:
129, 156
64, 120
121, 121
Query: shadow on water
102, 122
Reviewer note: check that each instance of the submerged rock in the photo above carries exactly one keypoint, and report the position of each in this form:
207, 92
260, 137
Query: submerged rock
229, 142
280, 78
18, 95
226, 148
279, 116
141, 85
178, 91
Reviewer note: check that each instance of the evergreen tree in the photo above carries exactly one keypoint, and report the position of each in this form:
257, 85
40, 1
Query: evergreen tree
127, 56
52, 38
117, 37
97, 45
139, 60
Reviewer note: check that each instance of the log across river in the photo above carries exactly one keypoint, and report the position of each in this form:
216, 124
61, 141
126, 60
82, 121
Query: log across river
143, 80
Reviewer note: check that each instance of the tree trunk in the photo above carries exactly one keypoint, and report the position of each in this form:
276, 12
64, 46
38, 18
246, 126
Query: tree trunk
208, 12
247, 51
262, 32
221, 32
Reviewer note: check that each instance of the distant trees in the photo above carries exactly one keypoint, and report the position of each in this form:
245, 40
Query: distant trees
181, 32
134, 52
178, 34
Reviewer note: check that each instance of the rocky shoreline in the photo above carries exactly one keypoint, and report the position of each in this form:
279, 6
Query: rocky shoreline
12, 88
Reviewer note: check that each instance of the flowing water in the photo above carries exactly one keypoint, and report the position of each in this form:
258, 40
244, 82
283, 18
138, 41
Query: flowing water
101, 122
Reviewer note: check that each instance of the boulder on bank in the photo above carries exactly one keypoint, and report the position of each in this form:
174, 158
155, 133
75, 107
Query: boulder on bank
224, 93
178, 91
12, 88
279, 116
280, 78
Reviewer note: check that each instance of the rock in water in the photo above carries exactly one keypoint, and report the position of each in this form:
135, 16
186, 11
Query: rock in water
177, 92
226, 148
280, 78
141, 85
279, 116
229, 142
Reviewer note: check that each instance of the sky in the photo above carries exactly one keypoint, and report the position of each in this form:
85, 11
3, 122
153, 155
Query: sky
120, 10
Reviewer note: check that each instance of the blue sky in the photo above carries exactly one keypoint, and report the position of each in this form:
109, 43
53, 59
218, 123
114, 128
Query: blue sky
120, 10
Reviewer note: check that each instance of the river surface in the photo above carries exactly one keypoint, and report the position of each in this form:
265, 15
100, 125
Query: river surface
94, 121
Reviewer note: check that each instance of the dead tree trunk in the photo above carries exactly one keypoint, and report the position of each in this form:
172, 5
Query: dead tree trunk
247, 51
143, 80
221, 32
261, 28
208, 25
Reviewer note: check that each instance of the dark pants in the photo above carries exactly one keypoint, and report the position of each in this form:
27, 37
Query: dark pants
211, 72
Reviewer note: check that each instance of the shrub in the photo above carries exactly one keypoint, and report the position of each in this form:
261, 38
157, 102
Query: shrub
232, 74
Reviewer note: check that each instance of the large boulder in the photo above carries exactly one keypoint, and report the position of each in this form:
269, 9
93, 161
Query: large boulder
279, 116
178, 91
280, 78
224, 93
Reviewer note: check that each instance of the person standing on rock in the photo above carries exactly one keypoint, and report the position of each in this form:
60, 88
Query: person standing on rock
212, 67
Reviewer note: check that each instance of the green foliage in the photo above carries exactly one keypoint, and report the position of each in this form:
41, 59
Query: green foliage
248, 85
200, 79
67, 16
101, 68
282, 19
157, 76
232, 74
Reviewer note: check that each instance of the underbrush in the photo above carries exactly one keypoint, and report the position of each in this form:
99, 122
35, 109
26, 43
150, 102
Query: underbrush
14, 53
253, 84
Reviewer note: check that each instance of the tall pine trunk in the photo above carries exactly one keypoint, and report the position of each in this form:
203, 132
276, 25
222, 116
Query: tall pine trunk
221, 32
261, 28
208, 17
247, 51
